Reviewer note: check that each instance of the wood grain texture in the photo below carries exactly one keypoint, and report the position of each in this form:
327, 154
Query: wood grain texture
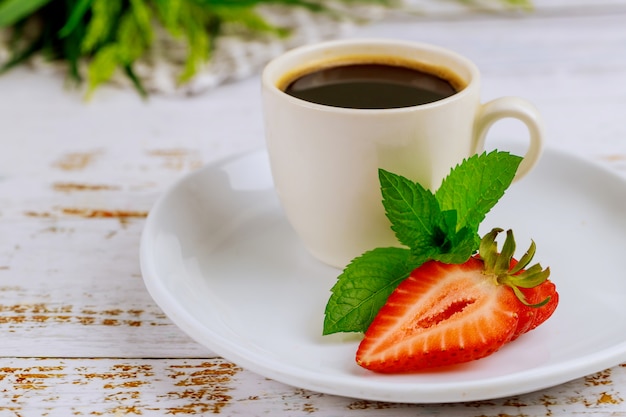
80, 335
160, 387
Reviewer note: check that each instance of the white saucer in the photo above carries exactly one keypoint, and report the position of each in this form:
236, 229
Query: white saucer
219, 258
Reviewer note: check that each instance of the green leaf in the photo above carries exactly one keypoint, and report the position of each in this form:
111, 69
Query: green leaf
142, 16
105, 15
475, 186
526, 5
458, 248
522, 4
12, 11
103, 66
76, 16
194, 22
411, 208
168, 12
133, 38
441, 226
363, 287
128, 69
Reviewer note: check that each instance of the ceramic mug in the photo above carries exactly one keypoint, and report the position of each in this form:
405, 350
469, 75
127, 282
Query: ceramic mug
325, 160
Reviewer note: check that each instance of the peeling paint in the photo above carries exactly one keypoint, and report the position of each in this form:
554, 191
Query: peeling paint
124, 216
178, 159
370, 405
76, 161
606, 398
104, 214
206, 385
614, 157
41, 314
68, 187
39, 214
179, 387
599, 378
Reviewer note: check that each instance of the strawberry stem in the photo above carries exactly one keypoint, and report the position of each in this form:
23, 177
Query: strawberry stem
509, 272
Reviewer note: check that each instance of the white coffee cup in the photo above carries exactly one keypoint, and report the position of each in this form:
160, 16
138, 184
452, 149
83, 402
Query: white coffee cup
325, 159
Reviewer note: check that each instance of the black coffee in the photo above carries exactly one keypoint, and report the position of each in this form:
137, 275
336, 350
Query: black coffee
370, 86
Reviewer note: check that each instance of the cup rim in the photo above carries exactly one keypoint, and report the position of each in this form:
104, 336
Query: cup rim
272, 72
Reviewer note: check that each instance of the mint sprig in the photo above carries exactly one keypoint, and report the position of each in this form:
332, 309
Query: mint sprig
363, 288
442, 226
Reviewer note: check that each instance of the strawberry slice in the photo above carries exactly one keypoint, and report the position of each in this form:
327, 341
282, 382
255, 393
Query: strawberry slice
446, 314
531, 317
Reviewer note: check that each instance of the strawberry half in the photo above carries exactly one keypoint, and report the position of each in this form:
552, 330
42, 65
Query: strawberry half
446, 314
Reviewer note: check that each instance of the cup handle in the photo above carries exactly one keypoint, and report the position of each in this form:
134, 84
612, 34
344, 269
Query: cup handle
517, 108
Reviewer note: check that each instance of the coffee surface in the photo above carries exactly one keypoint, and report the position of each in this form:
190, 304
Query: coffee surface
370, 86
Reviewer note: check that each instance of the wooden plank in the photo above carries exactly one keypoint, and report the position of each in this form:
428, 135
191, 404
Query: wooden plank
75, 187
77, 179
76, 284
159, 387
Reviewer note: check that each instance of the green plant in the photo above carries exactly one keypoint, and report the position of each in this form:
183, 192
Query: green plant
112, 34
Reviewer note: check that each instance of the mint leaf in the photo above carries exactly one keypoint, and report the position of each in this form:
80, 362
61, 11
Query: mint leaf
475, 186
412, 209
441, 226
453, 246
363, 287
458, 247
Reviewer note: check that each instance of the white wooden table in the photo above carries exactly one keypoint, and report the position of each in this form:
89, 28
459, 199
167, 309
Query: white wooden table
80, 335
